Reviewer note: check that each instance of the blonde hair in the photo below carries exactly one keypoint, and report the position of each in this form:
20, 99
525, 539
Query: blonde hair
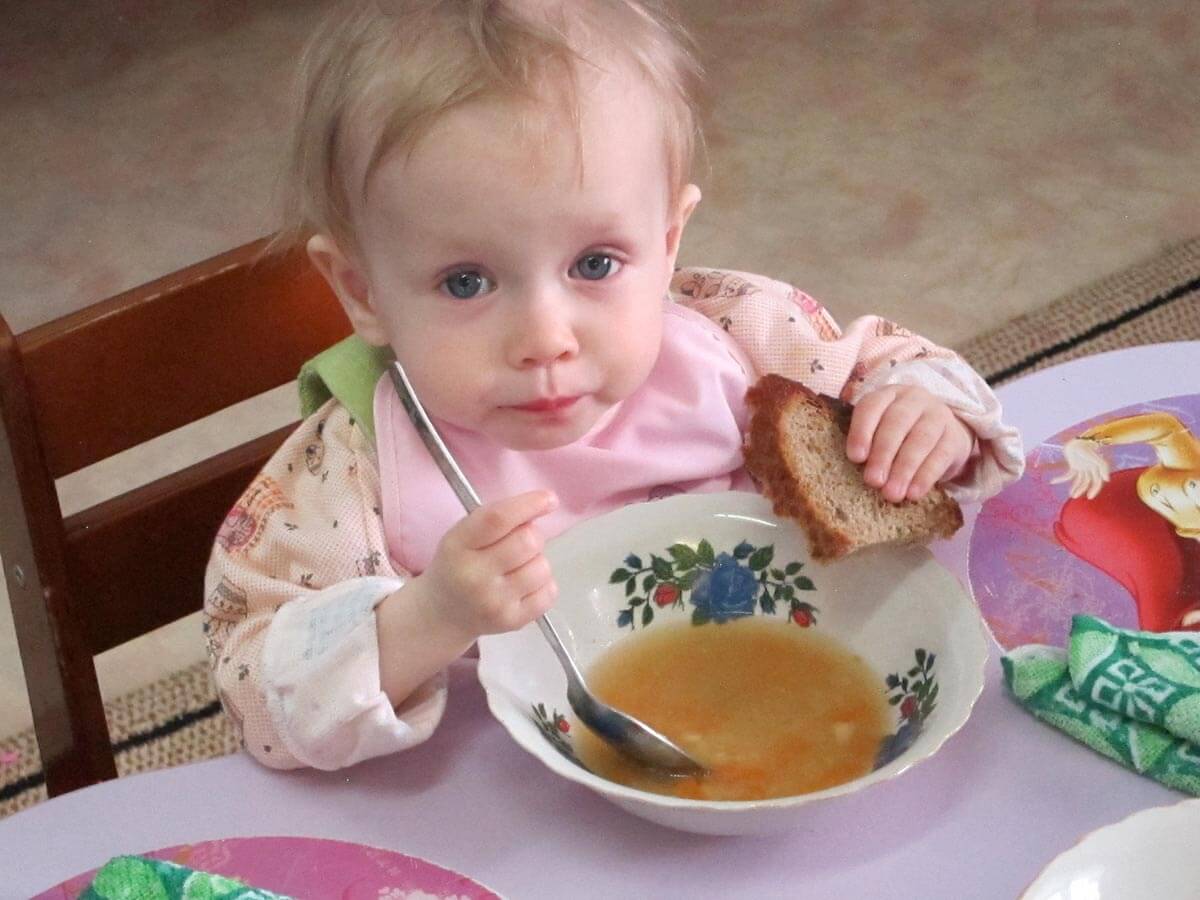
398, 66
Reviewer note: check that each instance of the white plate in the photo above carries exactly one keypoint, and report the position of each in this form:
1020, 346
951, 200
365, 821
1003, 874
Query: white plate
1152, 854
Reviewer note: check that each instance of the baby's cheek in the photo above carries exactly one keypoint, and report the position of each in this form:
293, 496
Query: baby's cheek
633, 360
449, 392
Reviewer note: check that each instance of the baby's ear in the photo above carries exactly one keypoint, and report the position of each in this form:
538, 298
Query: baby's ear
350, 285
685, 204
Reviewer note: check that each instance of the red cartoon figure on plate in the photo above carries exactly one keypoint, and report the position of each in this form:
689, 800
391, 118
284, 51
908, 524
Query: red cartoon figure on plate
1141, 525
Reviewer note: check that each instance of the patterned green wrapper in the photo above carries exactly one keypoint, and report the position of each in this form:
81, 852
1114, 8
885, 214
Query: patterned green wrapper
139, 878
1039, 679
1154, 678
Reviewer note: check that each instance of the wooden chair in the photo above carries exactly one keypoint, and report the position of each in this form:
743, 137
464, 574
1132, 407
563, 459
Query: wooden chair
96, 382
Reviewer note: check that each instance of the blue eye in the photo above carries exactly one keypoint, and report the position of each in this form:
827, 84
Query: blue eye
466, 285
595, 266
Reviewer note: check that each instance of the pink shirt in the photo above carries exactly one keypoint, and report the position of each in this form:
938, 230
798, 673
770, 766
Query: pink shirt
681, 431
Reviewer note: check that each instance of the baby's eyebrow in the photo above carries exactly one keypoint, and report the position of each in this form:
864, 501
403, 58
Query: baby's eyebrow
604, 220
601, 228
450, 246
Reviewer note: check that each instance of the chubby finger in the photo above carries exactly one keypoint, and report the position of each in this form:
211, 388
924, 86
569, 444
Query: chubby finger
890, 435
540, 601
515, 549
531, 577
863, 422
535, 590
920, 442
492, 521
934, 468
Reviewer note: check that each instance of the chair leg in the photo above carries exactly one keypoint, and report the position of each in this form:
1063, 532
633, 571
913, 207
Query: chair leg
68, 714
60, 675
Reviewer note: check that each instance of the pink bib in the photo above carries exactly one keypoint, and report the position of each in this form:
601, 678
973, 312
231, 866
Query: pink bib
679, 432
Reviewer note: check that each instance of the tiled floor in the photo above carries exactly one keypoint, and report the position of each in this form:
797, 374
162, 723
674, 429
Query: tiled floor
946, 164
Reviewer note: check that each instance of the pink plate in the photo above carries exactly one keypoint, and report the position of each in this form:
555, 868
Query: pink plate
1129, 555
310, 868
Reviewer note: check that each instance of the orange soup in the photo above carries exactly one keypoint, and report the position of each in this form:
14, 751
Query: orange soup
770, 709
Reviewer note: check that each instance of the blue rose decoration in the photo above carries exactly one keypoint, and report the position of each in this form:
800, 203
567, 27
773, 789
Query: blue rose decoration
726, 591
892, 746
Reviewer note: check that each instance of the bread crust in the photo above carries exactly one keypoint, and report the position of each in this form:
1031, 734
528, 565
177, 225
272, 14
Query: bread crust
773, 401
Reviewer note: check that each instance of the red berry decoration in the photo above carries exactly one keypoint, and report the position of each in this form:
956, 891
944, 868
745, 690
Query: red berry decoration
666, 594
563, 725
802, 617
908, 706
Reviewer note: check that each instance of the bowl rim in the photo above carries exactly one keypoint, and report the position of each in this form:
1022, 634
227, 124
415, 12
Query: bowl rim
558, 764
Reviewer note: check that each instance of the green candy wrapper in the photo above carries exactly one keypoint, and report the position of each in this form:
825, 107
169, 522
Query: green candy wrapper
140, 878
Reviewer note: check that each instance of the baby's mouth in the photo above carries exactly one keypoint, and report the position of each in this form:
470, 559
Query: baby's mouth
547, 404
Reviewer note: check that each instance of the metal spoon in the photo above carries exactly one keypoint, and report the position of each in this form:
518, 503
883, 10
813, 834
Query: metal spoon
624, 733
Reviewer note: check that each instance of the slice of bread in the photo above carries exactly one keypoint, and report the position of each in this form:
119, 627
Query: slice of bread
796, 449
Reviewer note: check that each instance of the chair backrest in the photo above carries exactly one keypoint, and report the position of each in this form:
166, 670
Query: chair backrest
91, 384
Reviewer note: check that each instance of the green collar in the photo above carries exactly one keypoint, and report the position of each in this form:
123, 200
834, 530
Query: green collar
347, 371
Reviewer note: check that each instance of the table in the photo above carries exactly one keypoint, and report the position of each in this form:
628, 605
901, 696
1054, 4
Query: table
978, 820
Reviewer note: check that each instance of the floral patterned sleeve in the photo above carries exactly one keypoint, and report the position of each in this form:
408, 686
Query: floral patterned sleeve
785, 331
298, 567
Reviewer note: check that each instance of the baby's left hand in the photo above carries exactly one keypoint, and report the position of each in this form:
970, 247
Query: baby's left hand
909, 439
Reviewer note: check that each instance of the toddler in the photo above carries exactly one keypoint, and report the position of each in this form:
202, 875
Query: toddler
496, 192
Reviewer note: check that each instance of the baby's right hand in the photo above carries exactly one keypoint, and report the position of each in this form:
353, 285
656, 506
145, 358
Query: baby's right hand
488, 574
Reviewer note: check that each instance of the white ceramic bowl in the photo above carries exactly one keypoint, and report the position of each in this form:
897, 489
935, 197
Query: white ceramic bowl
896, 607
1150, 854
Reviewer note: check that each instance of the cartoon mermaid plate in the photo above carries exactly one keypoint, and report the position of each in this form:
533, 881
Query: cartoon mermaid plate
1106, 521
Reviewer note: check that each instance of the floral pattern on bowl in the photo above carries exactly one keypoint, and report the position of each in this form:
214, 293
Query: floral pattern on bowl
709, 559
719, 586
914, 695
556, 729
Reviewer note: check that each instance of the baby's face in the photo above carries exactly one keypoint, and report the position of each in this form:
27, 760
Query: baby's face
524, 301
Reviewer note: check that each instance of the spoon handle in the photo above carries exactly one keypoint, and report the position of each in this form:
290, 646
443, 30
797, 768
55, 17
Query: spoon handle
574, 676
462, 488
432, 440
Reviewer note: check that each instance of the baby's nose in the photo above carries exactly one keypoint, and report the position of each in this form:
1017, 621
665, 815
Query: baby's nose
544, 335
